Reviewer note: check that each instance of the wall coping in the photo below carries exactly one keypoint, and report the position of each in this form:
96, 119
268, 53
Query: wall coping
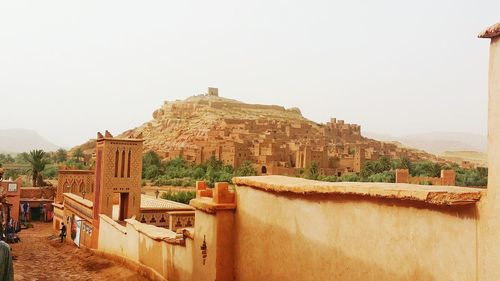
74, 171
436, 195
151, 203
157, 233
57, 205
48, 200
79, 199
206, 204
113, 223
182, 212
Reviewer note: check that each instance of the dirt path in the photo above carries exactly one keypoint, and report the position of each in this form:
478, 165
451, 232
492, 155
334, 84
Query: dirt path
40, 256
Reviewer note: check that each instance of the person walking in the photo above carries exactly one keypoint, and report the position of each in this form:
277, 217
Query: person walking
42, 211
63, 232
25, 211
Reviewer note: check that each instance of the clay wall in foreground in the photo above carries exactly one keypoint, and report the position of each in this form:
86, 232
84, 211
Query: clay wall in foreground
284, 236
167, 254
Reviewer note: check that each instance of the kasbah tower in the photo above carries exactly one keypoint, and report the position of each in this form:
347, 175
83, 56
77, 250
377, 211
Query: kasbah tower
118, 170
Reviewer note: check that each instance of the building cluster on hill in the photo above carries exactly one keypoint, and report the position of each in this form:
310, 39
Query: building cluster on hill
284, 147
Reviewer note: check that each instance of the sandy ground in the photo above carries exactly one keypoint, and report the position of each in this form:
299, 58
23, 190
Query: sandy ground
40, 256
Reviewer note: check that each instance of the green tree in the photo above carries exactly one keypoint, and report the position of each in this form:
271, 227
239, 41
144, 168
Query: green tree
403, 163
426, 169
61, 155
312, 172
472, 177
151, 165
386, 176
6, 159
245, 170
78, 154
21, 158
217, 171
385, 164
37, 160
151, 158
50, 172
76, 164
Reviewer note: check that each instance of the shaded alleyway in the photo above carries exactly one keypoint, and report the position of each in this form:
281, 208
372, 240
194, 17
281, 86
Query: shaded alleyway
40, 257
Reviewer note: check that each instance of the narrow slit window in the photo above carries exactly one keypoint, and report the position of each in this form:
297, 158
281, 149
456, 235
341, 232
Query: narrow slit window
117, 156
128, 163
123, 164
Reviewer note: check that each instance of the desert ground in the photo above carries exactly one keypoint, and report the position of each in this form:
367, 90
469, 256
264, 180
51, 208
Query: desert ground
40, 256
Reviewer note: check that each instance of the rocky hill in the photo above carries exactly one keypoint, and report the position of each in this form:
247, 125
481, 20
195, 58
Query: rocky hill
234, 131
180, 123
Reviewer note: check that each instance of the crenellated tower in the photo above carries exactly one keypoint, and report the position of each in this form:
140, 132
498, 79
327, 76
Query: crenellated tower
118, 172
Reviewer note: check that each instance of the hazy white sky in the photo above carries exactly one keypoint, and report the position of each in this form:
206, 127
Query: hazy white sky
71, 68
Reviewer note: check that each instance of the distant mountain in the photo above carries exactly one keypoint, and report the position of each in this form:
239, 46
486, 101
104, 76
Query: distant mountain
438, 142
479, 158
22, 140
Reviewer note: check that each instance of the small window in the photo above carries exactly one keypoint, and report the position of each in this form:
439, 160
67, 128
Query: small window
12, 187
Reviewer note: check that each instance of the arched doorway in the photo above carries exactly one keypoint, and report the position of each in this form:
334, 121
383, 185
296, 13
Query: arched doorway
263, 170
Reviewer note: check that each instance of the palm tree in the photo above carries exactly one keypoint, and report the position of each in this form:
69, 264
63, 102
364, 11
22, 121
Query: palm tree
37, 160
61, 155
78, 154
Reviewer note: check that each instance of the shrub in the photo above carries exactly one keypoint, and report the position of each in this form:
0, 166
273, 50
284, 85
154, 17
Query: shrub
246, 169
329, 178
387, 176
50, 172
350, 177
180, 196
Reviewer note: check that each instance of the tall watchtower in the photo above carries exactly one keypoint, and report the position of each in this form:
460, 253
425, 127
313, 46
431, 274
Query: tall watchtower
118, 171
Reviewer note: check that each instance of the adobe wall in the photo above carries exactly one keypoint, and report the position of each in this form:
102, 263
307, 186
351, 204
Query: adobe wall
489, 227
167, 254
288, 236
58, 217
37, 193
448, 178
75, 181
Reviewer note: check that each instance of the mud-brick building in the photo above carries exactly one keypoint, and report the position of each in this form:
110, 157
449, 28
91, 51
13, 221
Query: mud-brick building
11, 191
114, 189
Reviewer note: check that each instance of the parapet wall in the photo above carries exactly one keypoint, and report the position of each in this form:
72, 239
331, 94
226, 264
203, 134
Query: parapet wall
283, 228
447, 178
167, 254
293, 229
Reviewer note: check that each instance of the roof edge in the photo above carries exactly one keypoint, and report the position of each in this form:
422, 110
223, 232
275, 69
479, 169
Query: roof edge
491, 32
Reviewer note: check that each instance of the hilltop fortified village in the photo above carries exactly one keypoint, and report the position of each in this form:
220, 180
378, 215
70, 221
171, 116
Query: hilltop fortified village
277, 141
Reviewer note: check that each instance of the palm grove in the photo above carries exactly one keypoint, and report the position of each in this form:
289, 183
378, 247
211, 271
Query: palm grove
38, 165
